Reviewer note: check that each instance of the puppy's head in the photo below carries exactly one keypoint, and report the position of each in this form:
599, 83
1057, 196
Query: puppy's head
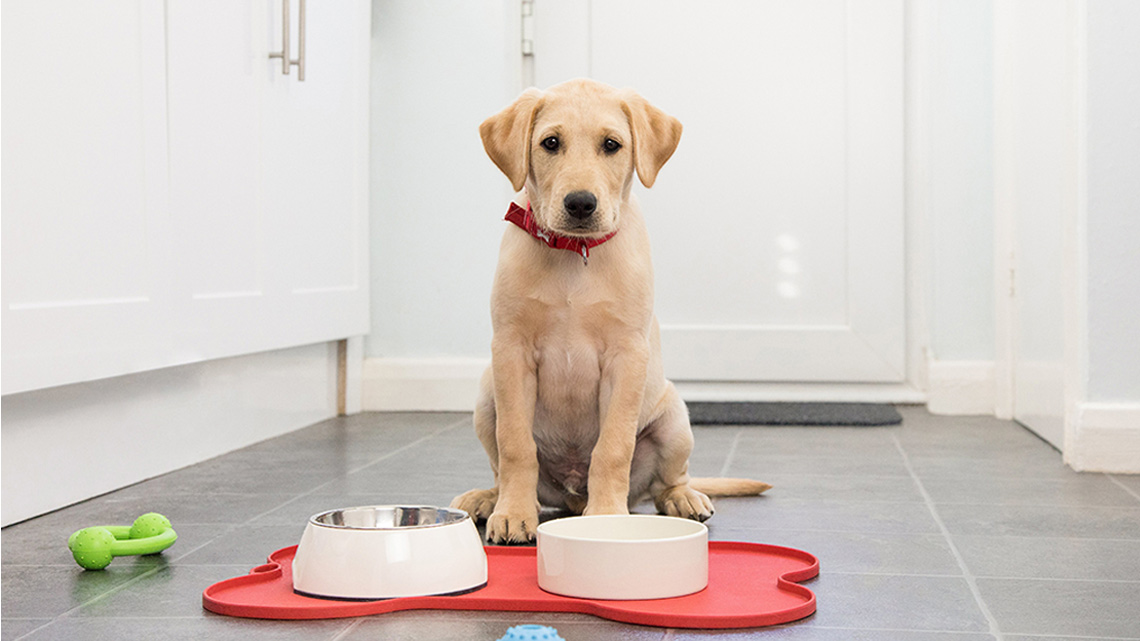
575, 147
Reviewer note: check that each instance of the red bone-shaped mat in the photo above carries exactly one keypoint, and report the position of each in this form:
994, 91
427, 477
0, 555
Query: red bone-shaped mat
750, 585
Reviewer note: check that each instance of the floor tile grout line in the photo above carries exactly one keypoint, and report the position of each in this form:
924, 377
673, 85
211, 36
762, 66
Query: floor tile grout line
897, 533
731, 453
987, 577
337, 637
898, 472
1051, 505
1047, 579
971, 581
30, 633
132, 581
175, 560
348, 629
917, 575
1123, 486
971, 632
447, 428
714, 528
112, 590
1051, 537
918, 630
156, 617
72, 565
1066, 637
958, 503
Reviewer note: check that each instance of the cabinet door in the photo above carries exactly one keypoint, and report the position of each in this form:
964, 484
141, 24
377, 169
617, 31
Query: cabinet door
268, 186
169, 196
217, 83
778, 224
315, 168
86, 290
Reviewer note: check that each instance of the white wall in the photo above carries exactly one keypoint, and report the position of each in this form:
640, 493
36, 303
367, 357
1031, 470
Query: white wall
439, 69
950, 201
1113, 200
961, 180
66, 444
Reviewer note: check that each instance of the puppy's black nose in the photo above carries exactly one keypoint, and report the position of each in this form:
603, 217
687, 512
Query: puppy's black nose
580, 204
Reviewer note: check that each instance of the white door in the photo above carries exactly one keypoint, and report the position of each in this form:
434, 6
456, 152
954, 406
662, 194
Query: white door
1032, 115
777, 226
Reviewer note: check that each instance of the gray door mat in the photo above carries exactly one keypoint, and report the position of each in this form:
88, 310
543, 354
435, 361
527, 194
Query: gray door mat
715, 413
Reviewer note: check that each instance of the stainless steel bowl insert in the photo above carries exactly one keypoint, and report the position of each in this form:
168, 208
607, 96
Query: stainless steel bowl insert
388, 517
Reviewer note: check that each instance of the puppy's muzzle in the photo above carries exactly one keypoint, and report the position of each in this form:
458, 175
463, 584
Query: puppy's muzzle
580, 204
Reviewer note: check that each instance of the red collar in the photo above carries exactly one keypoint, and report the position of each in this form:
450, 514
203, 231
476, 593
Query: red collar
525, 218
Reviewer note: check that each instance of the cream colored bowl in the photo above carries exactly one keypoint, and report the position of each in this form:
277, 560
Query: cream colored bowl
626, 557
387, 551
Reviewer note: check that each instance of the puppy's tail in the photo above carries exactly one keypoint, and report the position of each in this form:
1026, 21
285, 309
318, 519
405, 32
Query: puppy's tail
729, 487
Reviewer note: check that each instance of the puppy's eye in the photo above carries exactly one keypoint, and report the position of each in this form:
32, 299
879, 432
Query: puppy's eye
550, 143
611, 146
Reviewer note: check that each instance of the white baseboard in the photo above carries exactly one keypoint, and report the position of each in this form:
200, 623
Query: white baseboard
1106, 438
961, 387
422, 384
452, 384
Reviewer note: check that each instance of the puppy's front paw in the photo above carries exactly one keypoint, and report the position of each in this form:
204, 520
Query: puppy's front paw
512, 526
685, 502
478, 503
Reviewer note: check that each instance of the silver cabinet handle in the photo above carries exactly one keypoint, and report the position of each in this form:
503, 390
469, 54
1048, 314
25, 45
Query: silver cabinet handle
284, 53
286, 61
300, 61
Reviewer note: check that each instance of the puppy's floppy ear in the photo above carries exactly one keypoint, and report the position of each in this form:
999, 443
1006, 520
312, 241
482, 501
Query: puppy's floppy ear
506, 136
655, 136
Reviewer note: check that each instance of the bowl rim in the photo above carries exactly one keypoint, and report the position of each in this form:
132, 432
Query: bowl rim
400, 528
702, 529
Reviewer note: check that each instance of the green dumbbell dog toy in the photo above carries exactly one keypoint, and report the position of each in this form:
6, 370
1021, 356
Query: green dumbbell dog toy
94, 547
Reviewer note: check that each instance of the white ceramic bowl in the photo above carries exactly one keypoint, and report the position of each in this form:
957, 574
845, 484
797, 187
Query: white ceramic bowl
636, 556
387, 551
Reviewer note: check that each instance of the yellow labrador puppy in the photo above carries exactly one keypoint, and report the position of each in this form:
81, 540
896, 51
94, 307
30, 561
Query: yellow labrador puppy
575, 411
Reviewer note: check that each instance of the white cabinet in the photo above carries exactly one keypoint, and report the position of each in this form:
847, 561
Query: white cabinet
777, 226
169, 196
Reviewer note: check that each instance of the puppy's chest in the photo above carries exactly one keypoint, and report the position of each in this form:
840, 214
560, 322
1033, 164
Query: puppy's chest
566, 420
568, 357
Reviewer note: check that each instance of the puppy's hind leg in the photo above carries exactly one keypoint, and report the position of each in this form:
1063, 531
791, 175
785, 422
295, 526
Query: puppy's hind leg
481, 503
670, 489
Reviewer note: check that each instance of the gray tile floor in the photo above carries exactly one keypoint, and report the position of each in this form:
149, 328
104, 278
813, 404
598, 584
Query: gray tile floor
955, 529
